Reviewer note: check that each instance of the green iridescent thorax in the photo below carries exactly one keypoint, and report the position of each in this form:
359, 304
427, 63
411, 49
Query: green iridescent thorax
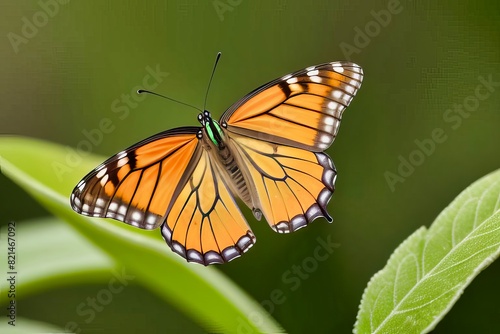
214, 132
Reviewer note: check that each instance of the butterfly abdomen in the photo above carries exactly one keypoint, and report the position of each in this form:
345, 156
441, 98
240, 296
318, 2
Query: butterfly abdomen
231, 167
238, 180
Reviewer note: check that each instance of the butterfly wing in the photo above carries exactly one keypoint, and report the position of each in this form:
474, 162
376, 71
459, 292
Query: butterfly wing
169, 179
136, 185
204, 224
302, 109
279, 132
291, 186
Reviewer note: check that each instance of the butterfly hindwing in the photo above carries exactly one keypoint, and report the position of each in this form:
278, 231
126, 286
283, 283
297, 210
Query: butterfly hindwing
292, 186
302, 109
204, 224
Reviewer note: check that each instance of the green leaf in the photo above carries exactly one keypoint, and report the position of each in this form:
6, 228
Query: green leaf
41, 264
428, 272
49, 172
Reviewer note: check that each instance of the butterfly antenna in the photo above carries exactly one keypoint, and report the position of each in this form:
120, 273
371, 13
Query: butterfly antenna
211, 77
140, 91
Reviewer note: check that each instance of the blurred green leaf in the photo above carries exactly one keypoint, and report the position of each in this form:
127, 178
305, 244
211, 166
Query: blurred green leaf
49, 172
27, 326
49, 253
429, 271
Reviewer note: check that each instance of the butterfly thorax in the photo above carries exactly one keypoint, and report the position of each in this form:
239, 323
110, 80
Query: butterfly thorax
212, 129
215, 140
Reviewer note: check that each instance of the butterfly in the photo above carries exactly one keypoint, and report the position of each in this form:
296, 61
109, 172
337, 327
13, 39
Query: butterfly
267, 150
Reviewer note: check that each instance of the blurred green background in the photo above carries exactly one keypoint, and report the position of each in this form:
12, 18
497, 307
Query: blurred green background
421, 63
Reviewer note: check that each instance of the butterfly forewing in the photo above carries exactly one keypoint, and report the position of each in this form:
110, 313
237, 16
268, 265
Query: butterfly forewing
137, 185
302, 109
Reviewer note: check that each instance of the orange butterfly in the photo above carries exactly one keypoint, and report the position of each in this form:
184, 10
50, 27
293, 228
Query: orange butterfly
267, 149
